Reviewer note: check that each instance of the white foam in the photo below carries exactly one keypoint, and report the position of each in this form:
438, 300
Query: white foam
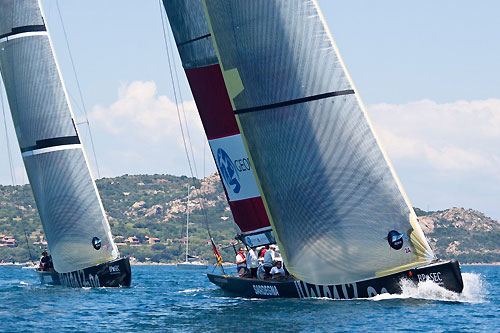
474, 291
191, 290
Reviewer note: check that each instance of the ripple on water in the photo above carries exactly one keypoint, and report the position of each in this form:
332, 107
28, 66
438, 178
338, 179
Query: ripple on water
163, 298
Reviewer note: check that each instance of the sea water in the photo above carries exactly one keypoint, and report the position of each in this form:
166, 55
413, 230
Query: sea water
164, 298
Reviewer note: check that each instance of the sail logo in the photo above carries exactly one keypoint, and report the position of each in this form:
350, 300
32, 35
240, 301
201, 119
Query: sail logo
395, 239
228, 170
96, 243
234, 166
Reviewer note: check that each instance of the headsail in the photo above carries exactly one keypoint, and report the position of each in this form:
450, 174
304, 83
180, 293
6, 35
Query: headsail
71, 211
336, 205
192, 36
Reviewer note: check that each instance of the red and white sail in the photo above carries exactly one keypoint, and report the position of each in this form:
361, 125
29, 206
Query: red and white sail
199, 59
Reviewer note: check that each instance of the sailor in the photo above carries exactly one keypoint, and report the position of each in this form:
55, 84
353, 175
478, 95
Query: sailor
263, 251
45, 261
51, 263
277, 272
269, 259
252, 262
241, 262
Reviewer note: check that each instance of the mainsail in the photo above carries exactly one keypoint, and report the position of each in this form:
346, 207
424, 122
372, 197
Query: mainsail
73, 218
335, 203
192, 36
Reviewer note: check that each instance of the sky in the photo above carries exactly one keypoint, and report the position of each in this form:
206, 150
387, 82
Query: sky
428, 73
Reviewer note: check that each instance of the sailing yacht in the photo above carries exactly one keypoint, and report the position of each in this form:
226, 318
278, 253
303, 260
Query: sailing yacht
187, 264
73, 218
299, 158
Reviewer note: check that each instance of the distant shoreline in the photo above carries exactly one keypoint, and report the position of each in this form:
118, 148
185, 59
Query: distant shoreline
149, 263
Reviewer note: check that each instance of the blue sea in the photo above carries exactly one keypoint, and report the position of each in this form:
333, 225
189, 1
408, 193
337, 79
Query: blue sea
164, 298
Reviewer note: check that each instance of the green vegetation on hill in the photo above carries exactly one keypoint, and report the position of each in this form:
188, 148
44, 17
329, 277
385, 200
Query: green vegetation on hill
147, 214
141, 206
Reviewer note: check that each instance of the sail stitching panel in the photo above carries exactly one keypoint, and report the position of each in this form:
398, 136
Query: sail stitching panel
296, 101
24, 29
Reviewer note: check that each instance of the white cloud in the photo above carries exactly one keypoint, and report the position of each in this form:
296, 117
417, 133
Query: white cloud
459, 136
140, 133
140, 108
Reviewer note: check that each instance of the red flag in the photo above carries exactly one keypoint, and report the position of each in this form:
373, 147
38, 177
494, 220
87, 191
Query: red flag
217, 255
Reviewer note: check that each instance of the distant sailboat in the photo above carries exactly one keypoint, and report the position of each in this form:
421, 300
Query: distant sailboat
288, 130
190, 264
73, 218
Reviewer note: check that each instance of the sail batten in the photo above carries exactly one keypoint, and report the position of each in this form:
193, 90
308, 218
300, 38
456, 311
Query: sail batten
73, 219
295, 101
334, 201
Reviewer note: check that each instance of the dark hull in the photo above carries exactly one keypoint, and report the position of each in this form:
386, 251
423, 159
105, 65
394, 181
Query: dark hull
447, 274
114, 273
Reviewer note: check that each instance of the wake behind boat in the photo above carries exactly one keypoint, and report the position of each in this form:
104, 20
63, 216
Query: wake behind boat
75, 225
299, 159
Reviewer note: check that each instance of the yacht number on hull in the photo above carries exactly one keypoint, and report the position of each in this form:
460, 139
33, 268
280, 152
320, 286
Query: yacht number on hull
77, 279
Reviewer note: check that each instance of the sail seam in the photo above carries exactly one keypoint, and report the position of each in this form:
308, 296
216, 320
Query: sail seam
53, 142
194, 40
295, 101
24, 29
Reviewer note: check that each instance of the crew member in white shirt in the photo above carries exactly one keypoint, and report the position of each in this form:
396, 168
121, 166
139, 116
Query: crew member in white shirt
252, 262
277, 272
269, 259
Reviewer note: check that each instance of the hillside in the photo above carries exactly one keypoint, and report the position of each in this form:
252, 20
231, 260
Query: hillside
147, 214
465, 234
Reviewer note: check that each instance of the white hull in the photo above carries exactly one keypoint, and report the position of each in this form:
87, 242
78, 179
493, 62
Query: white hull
192, 265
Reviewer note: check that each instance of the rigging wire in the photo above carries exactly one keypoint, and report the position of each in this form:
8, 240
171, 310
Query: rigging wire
11, 165
11, 162
174, 87
79, 89
183, 110
170, 65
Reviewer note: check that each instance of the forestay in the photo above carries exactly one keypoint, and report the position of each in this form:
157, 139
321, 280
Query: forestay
72, 215
192, 36
336, 205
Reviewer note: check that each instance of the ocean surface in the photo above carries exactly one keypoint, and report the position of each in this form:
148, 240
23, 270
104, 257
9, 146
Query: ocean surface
164, 298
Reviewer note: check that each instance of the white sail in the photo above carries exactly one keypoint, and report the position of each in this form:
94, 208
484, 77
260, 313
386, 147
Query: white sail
335, 203
77, 231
